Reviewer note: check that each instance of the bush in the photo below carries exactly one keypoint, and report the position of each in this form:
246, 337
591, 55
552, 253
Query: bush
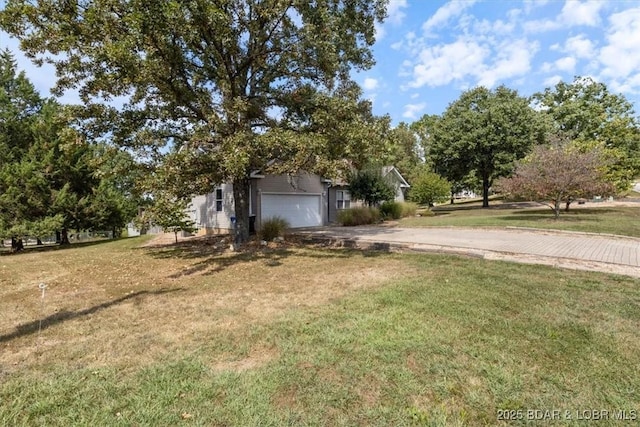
358, 216
408, 209
391, 210
273, 227
429, 188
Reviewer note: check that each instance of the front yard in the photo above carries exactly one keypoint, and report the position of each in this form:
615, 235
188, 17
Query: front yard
617, 219
289, 335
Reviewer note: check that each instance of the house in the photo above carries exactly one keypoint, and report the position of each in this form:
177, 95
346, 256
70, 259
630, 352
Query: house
300, 199
304, 200
340, 198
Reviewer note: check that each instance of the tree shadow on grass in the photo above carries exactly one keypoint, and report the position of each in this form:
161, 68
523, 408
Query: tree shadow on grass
212, 256
54, 319
56, 247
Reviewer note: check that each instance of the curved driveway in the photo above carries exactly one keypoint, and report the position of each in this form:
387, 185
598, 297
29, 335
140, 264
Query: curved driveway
563, 249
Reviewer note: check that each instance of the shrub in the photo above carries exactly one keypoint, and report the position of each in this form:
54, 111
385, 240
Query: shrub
391, 210
408, 209
273, 227
358, 216
429, 188
370, 186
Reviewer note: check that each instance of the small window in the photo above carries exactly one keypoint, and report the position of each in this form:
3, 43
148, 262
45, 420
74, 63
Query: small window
343, 199
218, 199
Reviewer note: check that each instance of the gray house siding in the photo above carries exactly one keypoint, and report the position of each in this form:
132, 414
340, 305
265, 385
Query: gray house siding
204, 213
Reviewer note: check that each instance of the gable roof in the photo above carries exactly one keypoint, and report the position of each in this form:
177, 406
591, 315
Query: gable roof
386, 170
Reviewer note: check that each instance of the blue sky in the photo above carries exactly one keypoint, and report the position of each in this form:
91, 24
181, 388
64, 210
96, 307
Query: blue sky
428, 52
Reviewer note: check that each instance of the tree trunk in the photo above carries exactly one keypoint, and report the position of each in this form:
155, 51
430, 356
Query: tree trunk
556, 208
241, 190
176, 233
452, 197
64, 237
38, 241
566, 206
58, 237
485, 191
16, 244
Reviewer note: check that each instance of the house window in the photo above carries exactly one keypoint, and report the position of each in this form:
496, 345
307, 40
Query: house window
218, 199
343, 199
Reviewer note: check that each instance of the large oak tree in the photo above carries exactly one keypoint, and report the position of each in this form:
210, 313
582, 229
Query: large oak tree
237, 85
483, 132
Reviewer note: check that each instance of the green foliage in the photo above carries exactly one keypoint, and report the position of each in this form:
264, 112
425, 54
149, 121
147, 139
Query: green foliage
245, 86
483, 132
273, 228
586, 112
408, 209
370, 186
358, 216
391, 210
51, 178
402, 150
429, 188
170, 214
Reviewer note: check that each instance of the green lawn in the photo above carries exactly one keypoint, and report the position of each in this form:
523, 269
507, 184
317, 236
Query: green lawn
623, 221
304, 336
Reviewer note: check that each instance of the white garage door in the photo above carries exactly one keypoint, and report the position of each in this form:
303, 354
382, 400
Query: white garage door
300, 210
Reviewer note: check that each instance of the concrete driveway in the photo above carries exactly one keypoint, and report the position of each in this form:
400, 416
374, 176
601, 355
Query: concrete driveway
562, 249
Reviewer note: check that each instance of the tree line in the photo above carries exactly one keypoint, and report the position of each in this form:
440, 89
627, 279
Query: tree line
214, 91
51, 178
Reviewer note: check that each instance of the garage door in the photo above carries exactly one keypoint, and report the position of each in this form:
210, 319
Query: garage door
300, 210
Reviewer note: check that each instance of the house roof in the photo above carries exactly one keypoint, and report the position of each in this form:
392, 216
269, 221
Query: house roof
386, 170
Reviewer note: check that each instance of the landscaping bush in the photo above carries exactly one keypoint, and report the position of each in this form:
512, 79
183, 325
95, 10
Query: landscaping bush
391, 210
273, 227
408, 209
358, 216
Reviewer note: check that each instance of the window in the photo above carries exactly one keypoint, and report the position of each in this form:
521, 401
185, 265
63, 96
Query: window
218, 199
343, 199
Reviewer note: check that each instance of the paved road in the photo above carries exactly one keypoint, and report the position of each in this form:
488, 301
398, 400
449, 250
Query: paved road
572, 250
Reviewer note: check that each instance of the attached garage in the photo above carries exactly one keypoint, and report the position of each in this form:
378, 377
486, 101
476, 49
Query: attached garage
300, 210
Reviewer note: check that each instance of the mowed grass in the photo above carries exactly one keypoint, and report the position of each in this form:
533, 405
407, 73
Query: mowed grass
192, 335
624, 221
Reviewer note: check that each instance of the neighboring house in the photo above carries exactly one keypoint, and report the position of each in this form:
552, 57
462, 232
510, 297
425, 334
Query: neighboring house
340, 198
304, 200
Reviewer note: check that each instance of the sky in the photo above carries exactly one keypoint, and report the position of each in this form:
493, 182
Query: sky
428, 52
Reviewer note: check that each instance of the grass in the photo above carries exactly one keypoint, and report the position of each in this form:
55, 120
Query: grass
285, 335
610, 220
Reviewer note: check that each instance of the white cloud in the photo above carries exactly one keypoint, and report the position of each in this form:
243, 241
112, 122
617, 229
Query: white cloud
411, 111
440, 65
574, 13
552, 81
620, 54
529, 5
395, 11
485, 63
395, 16
370, 83
566, 64
513, 59
580, 46
445, 13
